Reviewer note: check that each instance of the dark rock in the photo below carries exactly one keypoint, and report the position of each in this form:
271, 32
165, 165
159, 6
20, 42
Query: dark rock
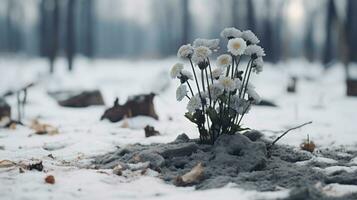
156, 160
139, 105
78, 99
266, 103
253, 135
351, 86
37, 166
307, 192
237, 150
179, 162
291, 88
5, 109
290, 155
182, 138
234, 159
179, 150
150, 131
343, 178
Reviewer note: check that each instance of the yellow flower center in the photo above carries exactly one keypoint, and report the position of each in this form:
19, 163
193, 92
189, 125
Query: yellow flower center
224, 61
236, 45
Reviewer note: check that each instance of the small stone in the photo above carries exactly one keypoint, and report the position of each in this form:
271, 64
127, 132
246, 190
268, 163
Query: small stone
5, 109
50, 179
118, 170
150, 131
179, 150
156, 160
38, 166
182, 138
253, 135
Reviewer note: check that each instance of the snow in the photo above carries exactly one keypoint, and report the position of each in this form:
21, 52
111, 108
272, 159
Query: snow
319, 160
320, 98
338, 190
334, 169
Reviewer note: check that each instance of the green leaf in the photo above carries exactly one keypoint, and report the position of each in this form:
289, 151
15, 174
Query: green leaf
190, 117
213, 115
199, 117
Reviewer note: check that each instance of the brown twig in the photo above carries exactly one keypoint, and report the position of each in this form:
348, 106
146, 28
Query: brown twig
286, 132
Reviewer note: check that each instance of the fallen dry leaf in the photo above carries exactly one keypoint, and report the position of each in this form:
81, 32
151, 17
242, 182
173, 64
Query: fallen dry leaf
50, 179
41, 128
6, 164
12, 126
308, 146
194, 176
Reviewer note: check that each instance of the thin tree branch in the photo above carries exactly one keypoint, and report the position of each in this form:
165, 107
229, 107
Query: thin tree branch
287, 131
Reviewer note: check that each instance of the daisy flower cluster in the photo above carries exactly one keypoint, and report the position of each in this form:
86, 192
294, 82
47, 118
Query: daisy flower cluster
218, 98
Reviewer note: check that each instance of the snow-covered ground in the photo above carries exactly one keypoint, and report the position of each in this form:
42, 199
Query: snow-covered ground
320, 98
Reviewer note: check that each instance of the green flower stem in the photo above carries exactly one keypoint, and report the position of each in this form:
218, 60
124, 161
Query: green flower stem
199, 92
237, 65
246, 85
189, 85
245, 111
232, 76
210, 69
203, 80
245, 75
209, 92
228, 68
194, 73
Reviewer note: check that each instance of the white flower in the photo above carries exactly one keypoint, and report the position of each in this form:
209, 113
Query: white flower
200, 54
216, 73
254, 95
187, 74
239, 105
195, 102
255, 50
181, 92
258, 65
250, 37
216, 90
212, 44
230, 33
224, 60
227, 83
176, 70
237, 83
236, 46
185, 51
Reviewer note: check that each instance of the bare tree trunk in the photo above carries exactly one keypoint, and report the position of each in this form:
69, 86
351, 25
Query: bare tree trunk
250, 16
267, 34
351, 30
186, 25
49, 30
90, 29
308, 40
328, 54
70, 44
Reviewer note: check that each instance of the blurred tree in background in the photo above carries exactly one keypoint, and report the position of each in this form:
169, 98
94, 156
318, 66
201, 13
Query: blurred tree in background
321, 30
